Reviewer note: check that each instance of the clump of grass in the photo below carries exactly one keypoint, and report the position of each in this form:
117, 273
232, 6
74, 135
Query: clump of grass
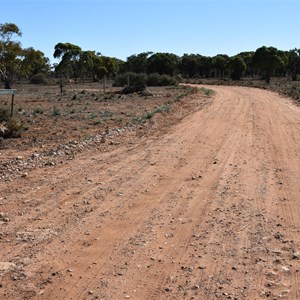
207, 92
56, 112
106, 114
13, 128
163, 108
38, 110
4, 114
93, 115
147, 115
150, 114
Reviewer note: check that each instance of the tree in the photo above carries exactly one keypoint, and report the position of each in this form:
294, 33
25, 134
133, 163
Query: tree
70, 56
236, 67
294, 63
163, 63
266, 60
247, 57
34, 62
195, 65
137, 63
220, 62
9, 52
189, 65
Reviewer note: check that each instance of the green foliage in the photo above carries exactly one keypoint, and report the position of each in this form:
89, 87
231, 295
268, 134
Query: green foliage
39, 78
38, 110
294, 63
237, 67
130, 79
12, 128
266, 60
207, 92
219, 63
8, 31
15, 127
4, 114
163, 63
34, 62
163, 108
195, 65
147, 115
10, 52
56, 112
160, 80
93, 115
140, 79
137, 63
105, 114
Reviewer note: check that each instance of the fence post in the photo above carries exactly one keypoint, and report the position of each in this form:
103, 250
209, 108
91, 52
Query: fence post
12, 105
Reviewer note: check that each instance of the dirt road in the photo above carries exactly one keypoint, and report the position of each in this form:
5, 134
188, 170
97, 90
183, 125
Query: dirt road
208, 210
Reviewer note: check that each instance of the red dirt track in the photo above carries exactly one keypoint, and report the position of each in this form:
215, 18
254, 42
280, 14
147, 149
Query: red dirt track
208, 209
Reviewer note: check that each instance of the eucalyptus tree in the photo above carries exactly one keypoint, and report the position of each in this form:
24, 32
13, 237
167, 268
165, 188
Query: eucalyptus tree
195, 65
96, 66
137, 63
236, 67
70, 59
265, 61
10, 51
163, 63
294, 63
34, 62
220, 62
247, 57
189, 66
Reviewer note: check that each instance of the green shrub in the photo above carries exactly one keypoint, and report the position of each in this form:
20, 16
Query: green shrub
163, 108
4, 114
131, 78
106, 114
56, 112
147, 115
38, 110
160, 80
207, 92
15, 128
39, 78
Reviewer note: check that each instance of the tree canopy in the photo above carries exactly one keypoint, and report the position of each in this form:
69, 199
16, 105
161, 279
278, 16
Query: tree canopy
76, 63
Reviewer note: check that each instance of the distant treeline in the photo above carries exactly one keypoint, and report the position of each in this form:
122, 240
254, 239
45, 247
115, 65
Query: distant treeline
17, 63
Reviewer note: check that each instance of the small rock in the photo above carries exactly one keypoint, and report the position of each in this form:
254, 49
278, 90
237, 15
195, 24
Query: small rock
285, 268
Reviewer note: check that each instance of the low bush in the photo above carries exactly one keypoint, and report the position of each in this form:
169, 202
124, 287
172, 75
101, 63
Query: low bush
39, 78
160, 80
134, 79
4, 114
13, 128
140, 79
56, 112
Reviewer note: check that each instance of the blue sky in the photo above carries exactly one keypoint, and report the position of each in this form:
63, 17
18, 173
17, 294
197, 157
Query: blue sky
120, 28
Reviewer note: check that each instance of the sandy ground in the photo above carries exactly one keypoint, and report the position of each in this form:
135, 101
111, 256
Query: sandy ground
207, 210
